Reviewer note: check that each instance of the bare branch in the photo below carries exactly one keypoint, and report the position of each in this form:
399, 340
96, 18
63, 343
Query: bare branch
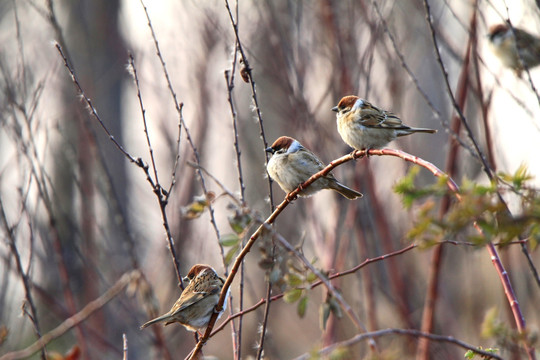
406, 332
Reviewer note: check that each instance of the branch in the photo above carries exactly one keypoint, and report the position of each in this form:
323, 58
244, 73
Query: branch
74, 320
406, 332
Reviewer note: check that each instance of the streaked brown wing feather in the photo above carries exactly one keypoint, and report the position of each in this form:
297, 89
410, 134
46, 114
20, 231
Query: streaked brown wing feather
384, 119
195, 297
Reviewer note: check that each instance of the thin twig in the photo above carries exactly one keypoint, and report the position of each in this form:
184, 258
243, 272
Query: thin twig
143, 117
91, 107
416, 83
32, 315
256, 106
229, 79
139, 162
179, 108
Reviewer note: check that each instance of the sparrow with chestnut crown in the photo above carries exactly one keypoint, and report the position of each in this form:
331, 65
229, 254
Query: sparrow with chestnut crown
365, 126
197, 302
516, 49
292, 164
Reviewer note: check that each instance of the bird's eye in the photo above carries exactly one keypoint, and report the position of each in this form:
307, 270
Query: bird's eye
346, 110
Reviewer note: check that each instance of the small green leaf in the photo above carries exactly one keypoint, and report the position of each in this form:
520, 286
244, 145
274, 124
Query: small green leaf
311, 277
229, 240
302, 306
324, 313
239, 222
197, 207
292, 295
469, 354
230, 254
340, 353
294, 280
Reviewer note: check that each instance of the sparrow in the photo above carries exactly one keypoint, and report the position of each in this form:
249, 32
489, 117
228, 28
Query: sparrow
292, 164
197, 302
510, 48
365, 126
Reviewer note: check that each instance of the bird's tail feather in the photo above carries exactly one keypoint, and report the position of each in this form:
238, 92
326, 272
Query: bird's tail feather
346, 192
153, 321
415, 130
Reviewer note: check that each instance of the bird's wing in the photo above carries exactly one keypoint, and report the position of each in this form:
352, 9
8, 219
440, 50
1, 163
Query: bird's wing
528, 41
376, 118
307, 162
193, 297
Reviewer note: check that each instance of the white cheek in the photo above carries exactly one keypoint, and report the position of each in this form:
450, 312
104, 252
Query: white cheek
358, 104
295, 146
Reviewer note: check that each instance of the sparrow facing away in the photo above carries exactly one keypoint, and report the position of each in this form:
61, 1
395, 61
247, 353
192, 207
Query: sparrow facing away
365, 126
509, 48
197, 302
292, 164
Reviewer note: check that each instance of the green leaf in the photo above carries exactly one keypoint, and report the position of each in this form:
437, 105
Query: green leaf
197, 207
302, 306
324, 313
294, 280
340, 353
229, 240
470, 354
239, 222
311, 277
292, 295
231, 253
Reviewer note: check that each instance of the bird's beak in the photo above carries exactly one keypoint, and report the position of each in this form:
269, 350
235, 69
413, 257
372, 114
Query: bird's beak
335, 109
185, 279
269, 149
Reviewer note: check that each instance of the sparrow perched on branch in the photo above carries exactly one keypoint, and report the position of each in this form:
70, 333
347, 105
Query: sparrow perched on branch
509, 47
365, 126
197, 302
292, 164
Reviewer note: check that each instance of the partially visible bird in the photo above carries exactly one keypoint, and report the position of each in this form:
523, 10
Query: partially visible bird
292, 164
510, 46
197, 302
365, 126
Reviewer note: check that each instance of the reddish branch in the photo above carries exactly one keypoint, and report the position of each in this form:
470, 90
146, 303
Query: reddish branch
292, 195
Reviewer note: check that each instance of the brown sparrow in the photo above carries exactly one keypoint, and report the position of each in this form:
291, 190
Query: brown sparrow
510, 48
196, 303
365, 126
292, 164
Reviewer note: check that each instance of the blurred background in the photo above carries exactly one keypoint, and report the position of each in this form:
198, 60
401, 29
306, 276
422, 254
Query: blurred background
76, 214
